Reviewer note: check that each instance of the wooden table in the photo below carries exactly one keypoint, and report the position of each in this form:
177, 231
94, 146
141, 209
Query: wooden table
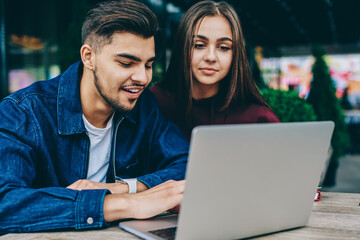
335, 216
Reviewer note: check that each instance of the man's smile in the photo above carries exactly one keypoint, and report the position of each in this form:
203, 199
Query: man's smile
134, 90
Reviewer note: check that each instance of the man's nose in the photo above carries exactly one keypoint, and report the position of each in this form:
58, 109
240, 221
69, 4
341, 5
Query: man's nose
141, 76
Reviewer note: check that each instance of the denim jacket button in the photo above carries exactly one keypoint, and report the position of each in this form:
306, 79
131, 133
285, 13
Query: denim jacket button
90, 220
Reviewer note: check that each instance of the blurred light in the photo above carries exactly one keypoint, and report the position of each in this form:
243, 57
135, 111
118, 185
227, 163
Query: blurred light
171, 8
157, 3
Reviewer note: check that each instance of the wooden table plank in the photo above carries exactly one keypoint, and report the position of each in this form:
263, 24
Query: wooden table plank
112, 233
335, 216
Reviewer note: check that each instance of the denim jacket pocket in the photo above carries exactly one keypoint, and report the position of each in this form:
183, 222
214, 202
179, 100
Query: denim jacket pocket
132, 163
130, 169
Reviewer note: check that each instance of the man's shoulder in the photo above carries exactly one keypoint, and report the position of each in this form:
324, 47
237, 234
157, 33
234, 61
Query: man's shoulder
28, 106
46, 88
39, 89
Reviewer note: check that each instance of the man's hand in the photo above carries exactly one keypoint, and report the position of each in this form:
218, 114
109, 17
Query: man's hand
145, 204
112, 187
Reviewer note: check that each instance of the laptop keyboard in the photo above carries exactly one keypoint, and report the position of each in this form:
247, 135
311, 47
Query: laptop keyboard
165, 233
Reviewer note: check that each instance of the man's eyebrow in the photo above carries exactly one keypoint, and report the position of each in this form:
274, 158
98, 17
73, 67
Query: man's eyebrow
218, 40
152, 59
129, 56
132, 57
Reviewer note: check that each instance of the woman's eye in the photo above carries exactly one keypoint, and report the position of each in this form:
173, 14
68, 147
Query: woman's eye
224, 48
199, 45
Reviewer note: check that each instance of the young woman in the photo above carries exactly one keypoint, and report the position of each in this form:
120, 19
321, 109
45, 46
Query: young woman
208, 80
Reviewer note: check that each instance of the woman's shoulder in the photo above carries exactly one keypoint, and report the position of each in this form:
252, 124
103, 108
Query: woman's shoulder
160, 93
263, 113
255, 113
165, 99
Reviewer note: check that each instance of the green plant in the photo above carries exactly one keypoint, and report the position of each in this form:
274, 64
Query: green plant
288, 106
158, 73
328, 107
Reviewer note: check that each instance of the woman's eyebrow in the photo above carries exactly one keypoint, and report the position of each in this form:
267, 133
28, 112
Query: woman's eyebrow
201, 37
223, 39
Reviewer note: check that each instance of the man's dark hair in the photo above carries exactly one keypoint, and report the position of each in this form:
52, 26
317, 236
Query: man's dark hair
117, 16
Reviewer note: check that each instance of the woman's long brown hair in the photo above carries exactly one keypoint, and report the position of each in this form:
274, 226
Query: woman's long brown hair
238, 87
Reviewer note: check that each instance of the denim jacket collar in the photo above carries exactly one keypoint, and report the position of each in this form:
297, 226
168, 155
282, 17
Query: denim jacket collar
69, 110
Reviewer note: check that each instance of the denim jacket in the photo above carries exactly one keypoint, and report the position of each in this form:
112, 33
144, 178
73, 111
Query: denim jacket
44, 147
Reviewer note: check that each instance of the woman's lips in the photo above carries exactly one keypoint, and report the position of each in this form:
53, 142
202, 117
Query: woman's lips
208, 71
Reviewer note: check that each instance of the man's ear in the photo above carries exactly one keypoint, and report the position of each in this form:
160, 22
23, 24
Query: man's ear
87, 54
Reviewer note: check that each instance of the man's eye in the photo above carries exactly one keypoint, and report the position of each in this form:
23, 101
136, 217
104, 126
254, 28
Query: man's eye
148, 66
125, 64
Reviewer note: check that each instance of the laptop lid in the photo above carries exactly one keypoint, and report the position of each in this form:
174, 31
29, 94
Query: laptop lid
252, 179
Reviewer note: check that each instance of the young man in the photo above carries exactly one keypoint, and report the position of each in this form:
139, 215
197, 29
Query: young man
75, 149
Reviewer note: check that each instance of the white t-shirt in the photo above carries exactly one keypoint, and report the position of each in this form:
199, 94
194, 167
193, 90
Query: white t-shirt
100, 149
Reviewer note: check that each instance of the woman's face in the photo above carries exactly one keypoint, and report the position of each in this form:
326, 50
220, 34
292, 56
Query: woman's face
212, 55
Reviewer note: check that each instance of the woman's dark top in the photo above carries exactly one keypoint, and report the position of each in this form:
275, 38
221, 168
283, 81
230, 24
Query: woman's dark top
204, 112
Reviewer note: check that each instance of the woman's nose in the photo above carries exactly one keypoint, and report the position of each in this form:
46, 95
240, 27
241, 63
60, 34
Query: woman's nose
210, 54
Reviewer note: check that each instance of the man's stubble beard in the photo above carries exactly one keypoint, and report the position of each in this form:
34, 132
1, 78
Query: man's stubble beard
114, 103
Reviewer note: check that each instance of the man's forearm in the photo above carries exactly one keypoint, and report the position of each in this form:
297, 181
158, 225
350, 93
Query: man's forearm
116, 207
114, 188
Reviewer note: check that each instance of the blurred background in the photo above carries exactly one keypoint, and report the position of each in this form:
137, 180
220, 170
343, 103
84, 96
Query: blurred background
304, 55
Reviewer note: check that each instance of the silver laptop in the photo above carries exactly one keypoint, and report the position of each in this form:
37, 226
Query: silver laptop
244, 181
